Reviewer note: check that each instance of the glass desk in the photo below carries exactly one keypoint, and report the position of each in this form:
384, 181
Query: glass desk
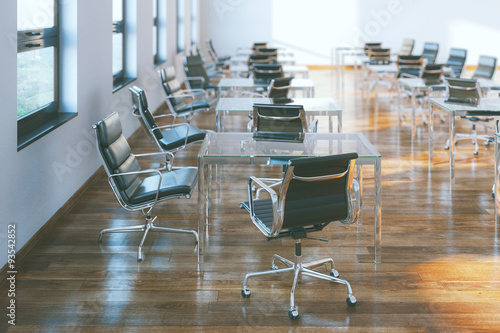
241, 148
414, 85
312, 106
340, 54
305, 85
243, 59
290, 70
487, 107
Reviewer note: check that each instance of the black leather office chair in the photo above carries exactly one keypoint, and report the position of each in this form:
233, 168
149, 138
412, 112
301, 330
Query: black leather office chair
379, 56
468, 92
255, 59
407, 47
184, 103
270, 52
456, 61
170, 138
432, 74
275, 119
486, 68
278, 89
197, 76
430, 52
368, 46
265, 73
409, 66
133, 192
213, 54
314, 192
259, 45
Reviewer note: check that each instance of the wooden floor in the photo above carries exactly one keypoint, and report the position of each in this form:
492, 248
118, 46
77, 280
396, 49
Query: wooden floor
440, 270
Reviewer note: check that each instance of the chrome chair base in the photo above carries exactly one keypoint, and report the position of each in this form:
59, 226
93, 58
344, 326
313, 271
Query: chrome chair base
474, 137
146, 228
298, 268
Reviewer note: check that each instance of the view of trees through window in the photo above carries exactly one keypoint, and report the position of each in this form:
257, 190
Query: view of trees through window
35, 58
35, 78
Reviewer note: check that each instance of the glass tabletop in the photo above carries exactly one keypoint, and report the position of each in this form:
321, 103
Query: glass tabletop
391, 68
246, 104
418, 83
487, 105
227, 145
286, 68
250, 83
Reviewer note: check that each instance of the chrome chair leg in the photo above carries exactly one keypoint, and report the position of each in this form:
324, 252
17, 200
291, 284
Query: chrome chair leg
124, 229
139, 252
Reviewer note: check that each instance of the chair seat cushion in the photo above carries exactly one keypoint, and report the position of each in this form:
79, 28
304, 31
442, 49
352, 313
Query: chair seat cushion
176, 137
203, 104
179, 182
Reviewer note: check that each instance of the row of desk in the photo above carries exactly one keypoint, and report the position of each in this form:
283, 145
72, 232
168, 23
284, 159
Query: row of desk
229, 148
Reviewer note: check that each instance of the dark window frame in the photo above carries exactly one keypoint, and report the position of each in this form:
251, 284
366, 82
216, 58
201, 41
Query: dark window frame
39, 122
119, 27
181, 23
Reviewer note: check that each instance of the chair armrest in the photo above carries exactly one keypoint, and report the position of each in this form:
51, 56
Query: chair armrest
196, 78
274, 199
141, 172
409, 76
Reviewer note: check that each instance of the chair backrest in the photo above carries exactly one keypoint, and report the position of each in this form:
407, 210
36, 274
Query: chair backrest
456, 61
432, 74
267, 52
407, 47
211, 51
409, 65
315, 191
463, 91
256, 46
379, 55
117, 157
259, 59
279, 87
140, 104
486, 67
279, 118
430, 52
267, 72
194, 67
171, 86
368, 46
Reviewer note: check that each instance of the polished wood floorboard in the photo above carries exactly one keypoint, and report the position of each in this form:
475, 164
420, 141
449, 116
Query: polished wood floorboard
440, 270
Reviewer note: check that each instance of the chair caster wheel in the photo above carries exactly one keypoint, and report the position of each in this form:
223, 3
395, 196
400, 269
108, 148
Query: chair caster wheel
334, 273
476, 153
351, 301
274, 267
293, 314
245, 293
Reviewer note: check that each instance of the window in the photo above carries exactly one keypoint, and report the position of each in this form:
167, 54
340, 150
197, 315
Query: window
194, 22
118, 41
124, 43
37, 70
159, 31
180, 26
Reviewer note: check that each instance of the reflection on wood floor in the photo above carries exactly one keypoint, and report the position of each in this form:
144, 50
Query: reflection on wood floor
440, 270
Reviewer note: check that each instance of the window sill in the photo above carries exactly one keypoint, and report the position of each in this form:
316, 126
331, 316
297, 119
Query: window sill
118, 84
46, 126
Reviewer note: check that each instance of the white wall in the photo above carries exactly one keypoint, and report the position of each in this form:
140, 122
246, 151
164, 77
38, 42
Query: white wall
39, 179
312, 28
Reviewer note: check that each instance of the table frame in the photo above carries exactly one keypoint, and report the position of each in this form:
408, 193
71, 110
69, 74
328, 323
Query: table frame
205, 163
